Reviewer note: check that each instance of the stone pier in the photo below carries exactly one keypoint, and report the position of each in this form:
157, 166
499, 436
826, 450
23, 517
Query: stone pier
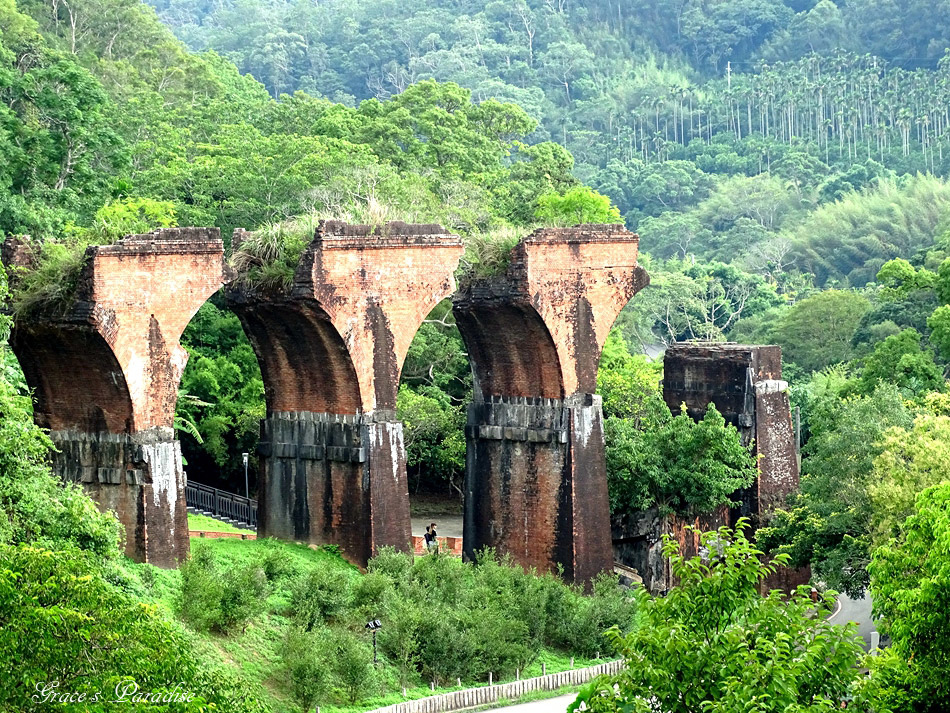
536, 483
331, 349
745, 383
105, 370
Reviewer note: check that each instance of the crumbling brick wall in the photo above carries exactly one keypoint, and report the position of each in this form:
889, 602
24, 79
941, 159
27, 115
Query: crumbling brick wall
105, 374
536, 484
745, 383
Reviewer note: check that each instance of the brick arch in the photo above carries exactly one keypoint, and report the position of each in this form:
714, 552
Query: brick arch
511, 351
304, 361
106, 370
77, 382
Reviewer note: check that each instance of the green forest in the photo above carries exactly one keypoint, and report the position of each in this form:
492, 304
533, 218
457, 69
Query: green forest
786, 166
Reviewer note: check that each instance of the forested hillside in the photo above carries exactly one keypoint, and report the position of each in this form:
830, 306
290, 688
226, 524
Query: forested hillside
656, 101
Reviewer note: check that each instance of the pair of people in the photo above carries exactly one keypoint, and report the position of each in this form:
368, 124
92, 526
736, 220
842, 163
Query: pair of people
430, 537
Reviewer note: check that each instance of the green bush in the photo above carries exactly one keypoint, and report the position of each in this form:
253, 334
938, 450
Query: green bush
320, 596
216, 598
35, 506
63, 625
268, 257
353, 668
716, 644
305, 660
442, 619
276, 562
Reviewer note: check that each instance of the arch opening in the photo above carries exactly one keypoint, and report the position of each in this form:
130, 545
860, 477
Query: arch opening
435, 388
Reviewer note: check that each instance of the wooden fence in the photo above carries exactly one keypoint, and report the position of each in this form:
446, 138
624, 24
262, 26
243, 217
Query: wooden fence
484, 695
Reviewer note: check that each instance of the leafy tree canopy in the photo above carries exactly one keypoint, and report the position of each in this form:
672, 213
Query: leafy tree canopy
714, 643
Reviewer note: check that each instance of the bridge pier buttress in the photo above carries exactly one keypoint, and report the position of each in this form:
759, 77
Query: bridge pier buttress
536, 481
105, 372
745, 383
331, 349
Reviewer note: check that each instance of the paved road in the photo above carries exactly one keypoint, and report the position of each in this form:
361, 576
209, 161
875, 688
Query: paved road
548, 705
856, 610
446, 525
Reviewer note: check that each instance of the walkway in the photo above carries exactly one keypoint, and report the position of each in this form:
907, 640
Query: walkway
548, 705
858, 611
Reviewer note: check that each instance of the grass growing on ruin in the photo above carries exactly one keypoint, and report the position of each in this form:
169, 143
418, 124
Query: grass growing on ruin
50, 284
488, 254
267, 258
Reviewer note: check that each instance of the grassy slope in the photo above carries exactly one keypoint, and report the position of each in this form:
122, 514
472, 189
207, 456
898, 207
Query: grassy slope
209, 524
257, 651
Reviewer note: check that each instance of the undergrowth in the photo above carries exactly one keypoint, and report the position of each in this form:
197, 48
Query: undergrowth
305, 643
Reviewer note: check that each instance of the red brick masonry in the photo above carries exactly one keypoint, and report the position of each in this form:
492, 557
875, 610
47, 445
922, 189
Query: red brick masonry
105, 371
536, 484
331, 349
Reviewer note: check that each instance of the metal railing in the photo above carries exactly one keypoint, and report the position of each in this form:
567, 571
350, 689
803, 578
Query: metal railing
221, 504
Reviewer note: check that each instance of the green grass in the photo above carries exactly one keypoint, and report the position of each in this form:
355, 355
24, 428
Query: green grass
209, 524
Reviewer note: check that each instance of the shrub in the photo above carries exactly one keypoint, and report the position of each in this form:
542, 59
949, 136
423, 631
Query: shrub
581, 624
276, 561
321, 595
397, 566
369, 594
35, 506
243, 596
217, 598
62, 623
305, 661
352, 664
714, 643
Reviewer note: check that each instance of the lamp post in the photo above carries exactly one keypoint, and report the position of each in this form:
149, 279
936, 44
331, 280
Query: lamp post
247, 490
374, 626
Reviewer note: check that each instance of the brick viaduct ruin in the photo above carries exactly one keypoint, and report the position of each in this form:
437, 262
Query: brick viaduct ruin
105, 374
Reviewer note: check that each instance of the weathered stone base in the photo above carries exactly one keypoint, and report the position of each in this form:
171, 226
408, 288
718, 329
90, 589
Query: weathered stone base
334, 479
138, 476
536, 483
638, 542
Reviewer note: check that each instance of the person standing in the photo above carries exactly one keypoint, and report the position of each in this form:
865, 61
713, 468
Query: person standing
430, 537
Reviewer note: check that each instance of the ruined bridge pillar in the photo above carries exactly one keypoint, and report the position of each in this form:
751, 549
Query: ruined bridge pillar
745, 383
105, 372
333, 463
536, 481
